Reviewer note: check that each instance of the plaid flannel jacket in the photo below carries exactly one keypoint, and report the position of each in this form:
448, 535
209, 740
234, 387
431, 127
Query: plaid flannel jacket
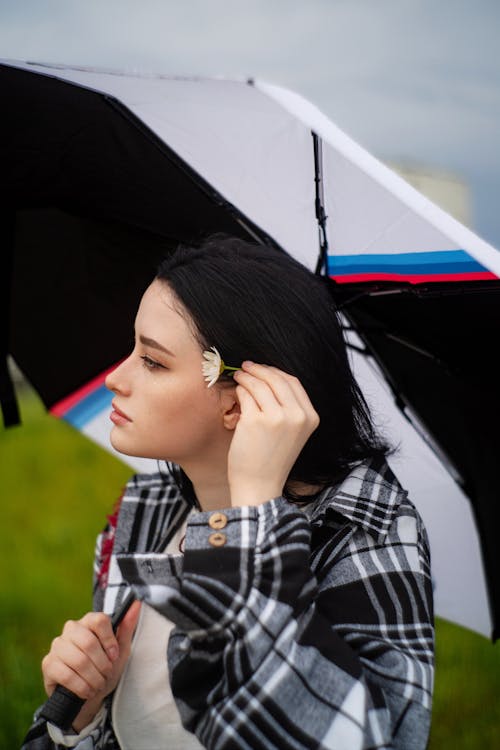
307, 628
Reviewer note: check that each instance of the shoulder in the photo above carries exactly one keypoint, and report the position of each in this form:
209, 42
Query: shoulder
148, 490
369, 496
158, 483
146, 494
372, 507
151, 504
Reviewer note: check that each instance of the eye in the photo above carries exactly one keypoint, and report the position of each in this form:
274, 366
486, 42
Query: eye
151, 364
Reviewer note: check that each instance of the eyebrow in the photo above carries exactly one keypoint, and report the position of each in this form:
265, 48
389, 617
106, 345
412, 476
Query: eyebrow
155, 345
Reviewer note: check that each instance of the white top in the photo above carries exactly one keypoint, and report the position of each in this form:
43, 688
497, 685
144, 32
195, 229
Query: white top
144, 713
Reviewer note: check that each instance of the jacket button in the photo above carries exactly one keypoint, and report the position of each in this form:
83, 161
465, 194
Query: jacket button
217, 539
217, 520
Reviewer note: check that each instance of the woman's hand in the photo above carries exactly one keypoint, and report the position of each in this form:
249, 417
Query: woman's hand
276, 420
88, 659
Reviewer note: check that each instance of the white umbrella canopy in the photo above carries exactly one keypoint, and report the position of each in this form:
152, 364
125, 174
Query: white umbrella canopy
278, 164
252, 142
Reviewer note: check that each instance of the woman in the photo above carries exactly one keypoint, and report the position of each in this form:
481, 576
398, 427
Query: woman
294, 595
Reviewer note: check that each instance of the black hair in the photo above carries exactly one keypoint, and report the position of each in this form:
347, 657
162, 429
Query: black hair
256, 302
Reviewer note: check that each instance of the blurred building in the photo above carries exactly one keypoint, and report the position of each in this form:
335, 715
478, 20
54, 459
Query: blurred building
446, 189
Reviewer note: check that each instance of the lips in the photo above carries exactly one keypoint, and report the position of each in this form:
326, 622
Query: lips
119, 412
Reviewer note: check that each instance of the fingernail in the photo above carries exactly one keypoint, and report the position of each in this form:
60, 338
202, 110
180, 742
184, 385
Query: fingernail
113, 653
247, 363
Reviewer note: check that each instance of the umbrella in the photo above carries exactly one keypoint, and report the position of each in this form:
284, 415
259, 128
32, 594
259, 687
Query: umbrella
101, 166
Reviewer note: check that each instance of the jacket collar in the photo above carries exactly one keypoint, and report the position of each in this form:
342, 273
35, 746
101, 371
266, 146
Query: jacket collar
369, 497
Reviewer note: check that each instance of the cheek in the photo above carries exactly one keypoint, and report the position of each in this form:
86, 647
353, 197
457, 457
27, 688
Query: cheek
173, 420
185, 412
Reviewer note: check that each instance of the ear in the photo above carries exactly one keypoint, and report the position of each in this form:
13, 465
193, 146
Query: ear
231, 410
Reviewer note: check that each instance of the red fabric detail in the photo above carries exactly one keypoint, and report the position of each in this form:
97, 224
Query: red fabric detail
107, 542
64, 405
413, 278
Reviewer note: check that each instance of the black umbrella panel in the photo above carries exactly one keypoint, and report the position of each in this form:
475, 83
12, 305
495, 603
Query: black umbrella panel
91, 200
436, 346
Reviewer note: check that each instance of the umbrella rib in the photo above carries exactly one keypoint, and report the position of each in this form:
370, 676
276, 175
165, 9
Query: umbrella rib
201, 183
319, 204
360, 349
415, 348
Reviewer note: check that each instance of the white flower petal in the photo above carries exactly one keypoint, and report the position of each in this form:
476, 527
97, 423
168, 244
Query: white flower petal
211, 367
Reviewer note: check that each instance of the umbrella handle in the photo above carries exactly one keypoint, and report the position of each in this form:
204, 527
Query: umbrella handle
63, 706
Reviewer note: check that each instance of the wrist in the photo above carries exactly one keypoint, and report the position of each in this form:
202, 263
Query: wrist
77, 736
88, 713
254, 494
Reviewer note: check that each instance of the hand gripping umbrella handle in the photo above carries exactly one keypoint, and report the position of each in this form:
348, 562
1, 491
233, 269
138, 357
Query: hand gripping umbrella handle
63, 706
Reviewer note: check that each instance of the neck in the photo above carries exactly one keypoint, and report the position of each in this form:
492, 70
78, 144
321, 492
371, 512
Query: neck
213, 493
211, 486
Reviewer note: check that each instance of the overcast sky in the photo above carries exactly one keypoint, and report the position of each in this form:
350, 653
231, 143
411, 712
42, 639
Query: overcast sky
413, 80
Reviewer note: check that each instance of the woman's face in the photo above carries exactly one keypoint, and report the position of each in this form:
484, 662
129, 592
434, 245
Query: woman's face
162, 406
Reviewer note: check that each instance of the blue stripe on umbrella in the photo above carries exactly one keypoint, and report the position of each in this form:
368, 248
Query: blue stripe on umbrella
89, 407
436, 262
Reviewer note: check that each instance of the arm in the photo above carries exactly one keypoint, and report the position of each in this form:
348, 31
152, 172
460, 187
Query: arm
79, 640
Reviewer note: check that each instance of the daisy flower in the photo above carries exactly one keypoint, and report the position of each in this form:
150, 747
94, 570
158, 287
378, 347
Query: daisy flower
213, 366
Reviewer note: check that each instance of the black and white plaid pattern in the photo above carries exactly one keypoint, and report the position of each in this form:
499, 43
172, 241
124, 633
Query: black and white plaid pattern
309, 628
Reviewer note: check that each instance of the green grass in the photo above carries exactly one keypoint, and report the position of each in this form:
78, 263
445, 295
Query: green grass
56, 489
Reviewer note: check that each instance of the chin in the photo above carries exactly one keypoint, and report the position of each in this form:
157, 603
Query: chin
124, 446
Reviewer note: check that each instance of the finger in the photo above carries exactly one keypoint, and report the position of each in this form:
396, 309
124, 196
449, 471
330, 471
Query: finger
262, 393
248, 405
298, 389
283, 384
289, 392
71, 667
100, 625
127, 627
87, 641
60, 673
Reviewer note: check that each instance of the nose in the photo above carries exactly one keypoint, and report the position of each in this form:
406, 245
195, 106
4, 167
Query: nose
117, 381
